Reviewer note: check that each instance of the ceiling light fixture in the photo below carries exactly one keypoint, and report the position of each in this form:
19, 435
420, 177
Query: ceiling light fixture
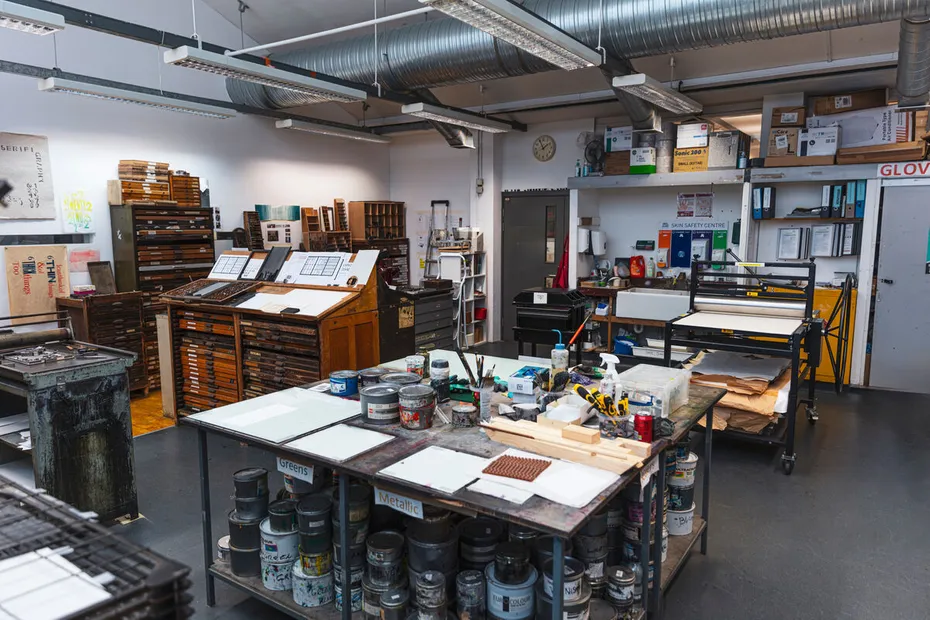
27, 19
227, 66
455, 117
329, 130
106, 93
655, 92
519, 27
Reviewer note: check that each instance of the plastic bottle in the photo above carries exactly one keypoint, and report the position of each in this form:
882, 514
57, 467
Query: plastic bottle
559, 357
577, 167
610, 374
651, 268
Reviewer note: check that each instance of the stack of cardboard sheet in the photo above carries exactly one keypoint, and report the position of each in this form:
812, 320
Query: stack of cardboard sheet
757, 388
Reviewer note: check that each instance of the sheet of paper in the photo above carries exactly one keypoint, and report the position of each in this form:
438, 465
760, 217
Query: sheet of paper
259, 301
228, 266
437, 468
501, 491
740, 365
318, 268
789, 243
252, 268
43, 584
822, 240
340, 443
360, 268
743, 322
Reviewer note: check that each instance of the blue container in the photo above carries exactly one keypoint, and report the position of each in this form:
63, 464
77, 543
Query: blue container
343, 383
623, 346
510, 602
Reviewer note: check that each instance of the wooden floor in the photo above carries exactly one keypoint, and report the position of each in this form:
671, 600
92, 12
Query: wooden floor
147, 414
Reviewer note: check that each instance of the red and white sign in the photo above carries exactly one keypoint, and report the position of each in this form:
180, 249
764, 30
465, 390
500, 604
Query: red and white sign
909, 170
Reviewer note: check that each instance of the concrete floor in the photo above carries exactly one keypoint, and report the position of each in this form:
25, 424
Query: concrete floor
844, 537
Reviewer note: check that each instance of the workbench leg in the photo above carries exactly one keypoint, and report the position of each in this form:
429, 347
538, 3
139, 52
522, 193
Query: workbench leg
705, 500
788, 458
646, 533
656, 601
344, 547
558, 575
205, 518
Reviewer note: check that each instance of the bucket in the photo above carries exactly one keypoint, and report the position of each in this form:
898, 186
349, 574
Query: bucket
470, 593
313, 515
684, 471
478, 538
355, 598
680, 522
316, 563
576, 609
310, 591
385, 553
401, 378
343, 383
371, 597
243, 533
278, 547
571, 582
621, 582
252, 508
282, 515
464, 416
251, 482
371, 376
244, 562
417, 396
433, 548
510, 602
222, 549
276, 577
380, 404
394, 604
680, 497
359, 503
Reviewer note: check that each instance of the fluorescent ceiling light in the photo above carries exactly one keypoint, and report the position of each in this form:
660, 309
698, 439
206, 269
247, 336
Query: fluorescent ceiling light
228, 66
515, 25
642, 86
329, 130
27, 19
454, 117
58, 85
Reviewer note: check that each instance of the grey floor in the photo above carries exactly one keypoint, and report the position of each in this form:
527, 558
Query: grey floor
845, 537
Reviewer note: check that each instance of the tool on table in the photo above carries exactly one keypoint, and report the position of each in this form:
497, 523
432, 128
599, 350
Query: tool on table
581, 327
464, 360
602, 403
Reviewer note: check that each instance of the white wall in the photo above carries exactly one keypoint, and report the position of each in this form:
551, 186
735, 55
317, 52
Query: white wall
522, 171
245, 160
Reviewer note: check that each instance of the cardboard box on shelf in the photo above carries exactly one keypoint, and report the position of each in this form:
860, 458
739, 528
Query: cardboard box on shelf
872, 127
617, 163
883, 153
693, 135
794, 161
819, 142
617, 139
849, 102
691, 160
789, 117
728, 150
783, 141
643, 161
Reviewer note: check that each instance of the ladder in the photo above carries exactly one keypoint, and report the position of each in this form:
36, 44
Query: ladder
431, 262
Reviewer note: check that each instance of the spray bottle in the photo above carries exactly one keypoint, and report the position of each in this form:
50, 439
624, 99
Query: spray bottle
610, 374
559, 357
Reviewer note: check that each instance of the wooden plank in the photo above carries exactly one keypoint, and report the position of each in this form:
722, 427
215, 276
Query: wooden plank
543, 448
531, 430
582, 434
610, 447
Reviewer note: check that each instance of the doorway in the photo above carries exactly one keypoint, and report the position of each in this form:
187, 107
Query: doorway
901, 330
533, 229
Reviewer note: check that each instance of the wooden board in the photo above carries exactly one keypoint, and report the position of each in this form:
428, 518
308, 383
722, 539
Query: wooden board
101, 276
35, 276
618, 446
568, 453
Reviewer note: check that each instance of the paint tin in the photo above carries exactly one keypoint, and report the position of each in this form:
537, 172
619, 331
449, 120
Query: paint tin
478, 538
282, 515
671, 461
380, 404
680, 522
243, 533
309, 590
589, 546
312, 544
680, 497
394, 604
278, 547
417, 419
522, 534
244, 562
684, 471
512, 563
600, 609
430, 589
642, 425
682, 449
355, 598
358, 532
296, 486
576, 609
433, 548
316, 563
359, 503
222, 549
355, 576
510, 602
251, 482
371, 597
356, 554
572, 581
464, 416
252, 507
371, 376
664, 543
343, 383
620, 585
385, 554
598, 590
470, 593
416, 364
542, 550
313, 515
417, 397
401, 378
439, 379
449, 581
277, 577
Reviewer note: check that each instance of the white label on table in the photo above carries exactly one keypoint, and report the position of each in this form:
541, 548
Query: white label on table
645, 474
410, 507
296, 470
540, 298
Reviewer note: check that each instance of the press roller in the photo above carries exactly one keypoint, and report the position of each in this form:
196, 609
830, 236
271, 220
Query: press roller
750, 306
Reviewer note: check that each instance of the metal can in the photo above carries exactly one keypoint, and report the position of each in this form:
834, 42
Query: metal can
416, 364
343, 383
642, 424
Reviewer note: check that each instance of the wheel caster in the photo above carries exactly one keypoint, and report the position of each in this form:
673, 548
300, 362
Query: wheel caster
812, 415
787, 464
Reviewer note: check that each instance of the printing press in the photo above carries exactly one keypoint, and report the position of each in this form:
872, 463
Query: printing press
67, 402
748, 312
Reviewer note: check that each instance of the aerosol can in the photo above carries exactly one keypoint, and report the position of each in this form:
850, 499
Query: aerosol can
610, 374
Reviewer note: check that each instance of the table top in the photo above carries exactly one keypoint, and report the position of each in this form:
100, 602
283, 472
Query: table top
537, 513
503, 366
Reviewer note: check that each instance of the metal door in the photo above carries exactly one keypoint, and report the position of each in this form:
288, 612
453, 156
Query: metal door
901, 336
533, 232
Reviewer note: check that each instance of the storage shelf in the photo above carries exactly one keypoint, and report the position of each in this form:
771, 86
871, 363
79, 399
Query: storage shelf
679, 548
813, 174
282, 601
812, 219
667, 179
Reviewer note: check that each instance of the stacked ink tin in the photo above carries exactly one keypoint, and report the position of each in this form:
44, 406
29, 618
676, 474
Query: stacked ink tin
313, 571
245, 521
359, 499
384, 554
279, 543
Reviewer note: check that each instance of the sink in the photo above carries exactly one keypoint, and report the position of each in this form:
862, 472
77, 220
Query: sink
651, 304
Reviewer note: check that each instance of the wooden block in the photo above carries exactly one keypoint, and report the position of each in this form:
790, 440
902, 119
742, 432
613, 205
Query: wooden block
544, 421
582, 434
574, 455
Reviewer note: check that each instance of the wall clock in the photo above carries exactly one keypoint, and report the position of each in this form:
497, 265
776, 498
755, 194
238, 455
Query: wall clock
544, 148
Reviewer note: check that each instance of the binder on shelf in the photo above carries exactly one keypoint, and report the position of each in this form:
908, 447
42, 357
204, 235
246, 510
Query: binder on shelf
849, 210
836, 207
826, 200
860, 198
768, 203
757, 203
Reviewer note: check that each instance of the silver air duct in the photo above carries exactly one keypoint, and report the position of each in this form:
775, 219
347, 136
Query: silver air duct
914, 63
445, 51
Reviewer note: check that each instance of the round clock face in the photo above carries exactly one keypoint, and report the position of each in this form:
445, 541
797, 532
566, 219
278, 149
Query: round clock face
544, 148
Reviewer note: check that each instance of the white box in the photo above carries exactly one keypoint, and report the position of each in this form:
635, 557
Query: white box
819, 142
693, 136
521, 382
618, 139
870, 127
668, 387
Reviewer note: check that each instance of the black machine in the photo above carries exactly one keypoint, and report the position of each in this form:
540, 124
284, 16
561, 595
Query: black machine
541, 310
771, 314
73, 400
415, 318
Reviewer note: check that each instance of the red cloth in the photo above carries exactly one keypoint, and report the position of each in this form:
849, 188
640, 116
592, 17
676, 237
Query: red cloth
561, 276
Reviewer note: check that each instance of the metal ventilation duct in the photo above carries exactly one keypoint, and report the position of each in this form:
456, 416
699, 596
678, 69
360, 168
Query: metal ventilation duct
914, 62
445, 51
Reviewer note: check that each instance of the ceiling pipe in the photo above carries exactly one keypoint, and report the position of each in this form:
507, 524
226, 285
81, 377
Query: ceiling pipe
913, 82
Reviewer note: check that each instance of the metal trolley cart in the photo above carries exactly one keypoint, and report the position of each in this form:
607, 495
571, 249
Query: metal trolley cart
770, 314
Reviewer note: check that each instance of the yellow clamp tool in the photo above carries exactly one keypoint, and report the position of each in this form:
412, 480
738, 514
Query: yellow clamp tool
604, 404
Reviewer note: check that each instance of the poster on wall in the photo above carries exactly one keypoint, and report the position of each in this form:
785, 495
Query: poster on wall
25, 164
35, 276
695, 205
78, 259
77, 213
